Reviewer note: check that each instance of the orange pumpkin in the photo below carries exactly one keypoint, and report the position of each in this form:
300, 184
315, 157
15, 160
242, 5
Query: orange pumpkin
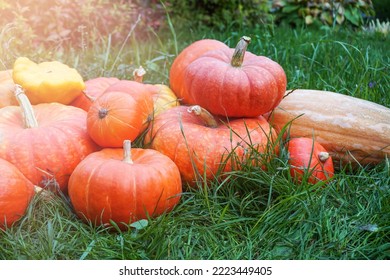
235, 83
203, 146
309, 158
186, 56
122, 112
45, 141
15, 194
124, 185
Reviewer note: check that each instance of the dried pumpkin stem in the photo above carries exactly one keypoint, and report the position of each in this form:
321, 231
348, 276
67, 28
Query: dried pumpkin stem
90, 97
127, 152
323, 156
207, 118
239, 52
138, 74
29, 118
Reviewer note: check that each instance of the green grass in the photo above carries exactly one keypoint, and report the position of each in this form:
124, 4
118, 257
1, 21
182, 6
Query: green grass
256, 214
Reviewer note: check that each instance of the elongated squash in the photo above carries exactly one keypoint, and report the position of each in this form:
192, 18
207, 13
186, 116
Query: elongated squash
352, 130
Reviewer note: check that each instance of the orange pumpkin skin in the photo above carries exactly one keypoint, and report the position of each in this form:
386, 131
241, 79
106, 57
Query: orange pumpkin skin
52, 149
185, 57
104, 187
122, 112
93, 88
7, 88
306, 155
201, 151
15, 194
253, 88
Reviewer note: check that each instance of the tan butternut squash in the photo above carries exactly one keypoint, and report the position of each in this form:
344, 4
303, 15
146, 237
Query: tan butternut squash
352, 130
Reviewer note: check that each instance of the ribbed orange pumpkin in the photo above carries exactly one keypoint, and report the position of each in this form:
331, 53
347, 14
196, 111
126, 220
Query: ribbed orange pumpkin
202, 146
121, 113
309, 158
185, 57
124, 185
44, 141
235, 83
15, 194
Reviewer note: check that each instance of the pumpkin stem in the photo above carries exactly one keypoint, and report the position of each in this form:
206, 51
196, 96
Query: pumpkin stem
239, 52
89, 97
27, 110
138, 74
127, 152
323, 156
207, 118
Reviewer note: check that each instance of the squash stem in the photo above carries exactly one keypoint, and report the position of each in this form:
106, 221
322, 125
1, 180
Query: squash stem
239, 52
89, 97
138, 74
323, 156
29, 118
127, 152
207, 118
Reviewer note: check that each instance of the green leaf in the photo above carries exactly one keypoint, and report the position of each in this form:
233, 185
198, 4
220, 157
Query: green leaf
141, 224
353, 16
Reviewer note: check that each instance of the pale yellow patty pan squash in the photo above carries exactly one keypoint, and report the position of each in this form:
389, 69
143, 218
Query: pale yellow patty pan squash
47, 82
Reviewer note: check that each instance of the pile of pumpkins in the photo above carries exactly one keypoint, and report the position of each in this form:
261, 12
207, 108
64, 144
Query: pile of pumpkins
225, 106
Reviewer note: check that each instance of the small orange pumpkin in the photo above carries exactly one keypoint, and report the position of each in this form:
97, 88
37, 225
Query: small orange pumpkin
307, 156
122, 112
124, 185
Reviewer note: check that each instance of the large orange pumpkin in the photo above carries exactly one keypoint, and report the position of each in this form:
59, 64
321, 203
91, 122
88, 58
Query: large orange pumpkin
185, 57
124, 185
122, 112
235, 83
15, 194
202, 146
45, 141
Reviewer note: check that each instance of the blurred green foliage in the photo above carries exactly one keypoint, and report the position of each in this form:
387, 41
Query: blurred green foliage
323, 12
221, 14
382, 9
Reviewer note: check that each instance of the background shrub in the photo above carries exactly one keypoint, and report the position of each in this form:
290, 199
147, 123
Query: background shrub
323, 12
221, 14
382, 9
61, 23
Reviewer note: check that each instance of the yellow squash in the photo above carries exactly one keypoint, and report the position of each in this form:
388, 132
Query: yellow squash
46, 82
351, 129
